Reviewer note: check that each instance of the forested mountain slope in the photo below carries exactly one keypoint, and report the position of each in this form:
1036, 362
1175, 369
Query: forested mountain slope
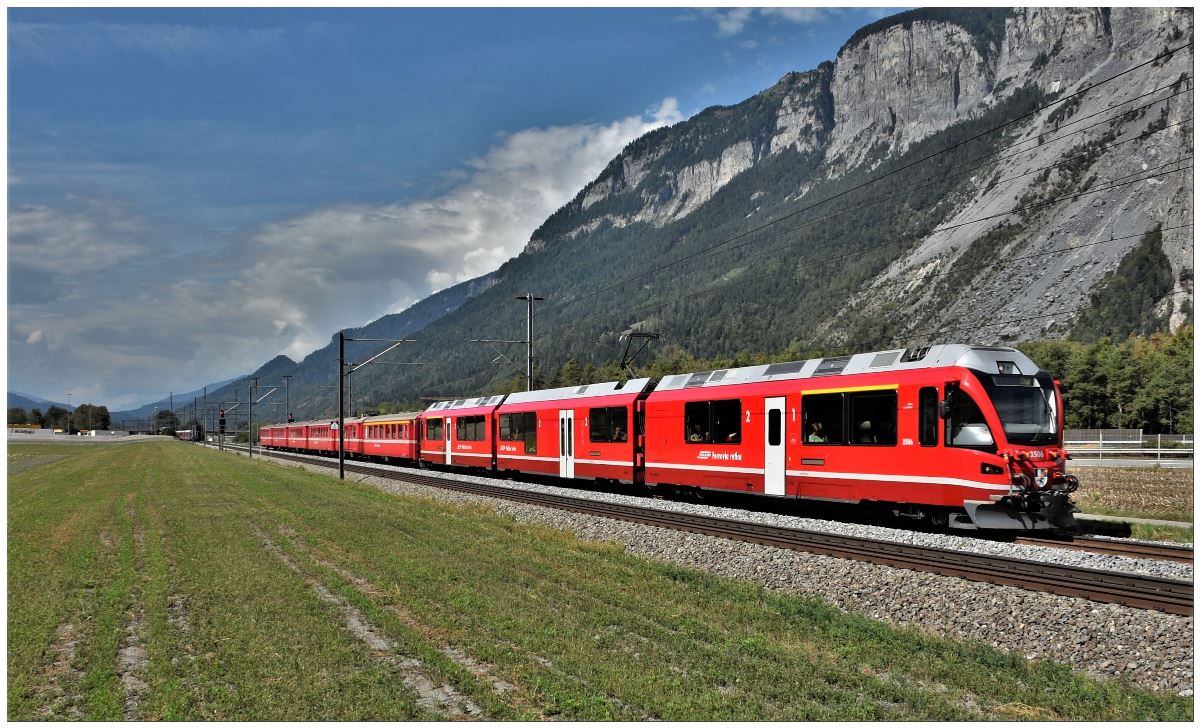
981, 176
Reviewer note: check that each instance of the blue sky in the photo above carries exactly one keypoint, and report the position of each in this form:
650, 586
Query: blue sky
244, 167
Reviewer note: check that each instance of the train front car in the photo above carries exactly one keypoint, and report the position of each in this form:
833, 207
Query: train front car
1006, 406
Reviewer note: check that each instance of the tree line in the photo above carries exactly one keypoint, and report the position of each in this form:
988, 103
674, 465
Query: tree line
85, 417
1140, 382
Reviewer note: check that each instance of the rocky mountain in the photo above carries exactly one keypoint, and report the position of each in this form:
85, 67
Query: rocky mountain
990, 175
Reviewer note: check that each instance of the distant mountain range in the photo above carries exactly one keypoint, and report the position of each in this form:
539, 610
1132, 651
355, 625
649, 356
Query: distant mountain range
182, 400
951, 176
29, 402
319, 367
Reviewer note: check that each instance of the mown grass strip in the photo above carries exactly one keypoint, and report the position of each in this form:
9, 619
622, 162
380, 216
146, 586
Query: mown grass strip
62, 557
584, 629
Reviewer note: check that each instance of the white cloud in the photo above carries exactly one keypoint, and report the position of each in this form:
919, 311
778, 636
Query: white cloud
294, 281
733, 22
88, 236
800, 16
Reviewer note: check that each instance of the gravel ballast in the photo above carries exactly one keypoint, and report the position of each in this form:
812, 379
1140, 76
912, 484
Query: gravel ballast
1147, 648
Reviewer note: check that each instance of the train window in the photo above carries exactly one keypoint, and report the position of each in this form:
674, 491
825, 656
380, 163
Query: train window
712, 422
433, 429
774, 427
873, 417
608, 424
470, 428
822, 417
966, 426
520, 427
928, 407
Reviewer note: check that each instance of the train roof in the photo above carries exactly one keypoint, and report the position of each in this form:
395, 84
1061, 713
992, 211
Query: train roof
983, 358
457, 404
602, 389
390, 418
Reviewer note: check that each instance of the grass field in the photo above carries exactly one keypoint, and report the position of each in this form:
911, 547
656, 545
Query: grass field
166, 581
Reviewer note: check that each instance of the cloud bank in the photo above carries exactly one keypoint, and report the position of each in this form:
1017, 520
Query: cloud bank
285, 286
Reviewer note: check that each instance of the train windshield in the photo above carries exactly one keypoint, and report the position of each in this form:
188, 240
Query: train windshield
1027, 406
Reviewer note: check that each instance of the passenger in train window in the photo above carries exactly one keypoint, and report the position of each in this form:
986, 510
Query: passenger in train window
816, 433
694, 435
733, 437
618, 434
864, 435
887, 432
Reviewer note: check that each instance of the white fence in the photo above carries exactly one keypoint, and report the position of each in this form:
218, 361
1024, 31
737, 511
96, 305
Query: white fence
1129, 445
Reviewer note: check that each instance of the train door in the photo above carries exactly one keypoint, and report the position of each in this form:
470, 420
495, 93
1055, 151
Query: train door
775, 439
449, 447
566, 443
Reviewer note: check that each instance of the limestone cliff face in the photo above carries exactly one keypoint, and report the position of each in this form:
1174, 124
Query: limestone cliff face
906, 78
902, 84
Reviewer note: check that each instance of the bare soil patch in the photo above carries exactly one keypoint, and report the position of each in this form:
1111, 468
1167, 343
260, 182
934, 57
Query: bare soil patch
132, 658
1135, 490
19, 467
60, 689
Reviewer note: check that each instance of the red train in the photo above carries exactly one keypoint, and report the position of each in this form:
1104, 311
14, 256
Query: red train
963, 436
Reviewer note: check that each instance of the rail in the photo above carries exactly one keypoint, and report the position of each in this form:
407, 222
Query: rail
1133, 590
1132, 549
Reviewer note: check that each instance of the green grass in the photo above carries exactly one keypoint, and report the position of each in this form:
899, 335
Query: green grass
580, 630
1148, 532
1156, 515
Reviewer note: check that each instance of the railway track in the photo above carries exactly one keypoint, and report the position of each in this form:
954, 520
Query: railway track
1132, 590
1132, 549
